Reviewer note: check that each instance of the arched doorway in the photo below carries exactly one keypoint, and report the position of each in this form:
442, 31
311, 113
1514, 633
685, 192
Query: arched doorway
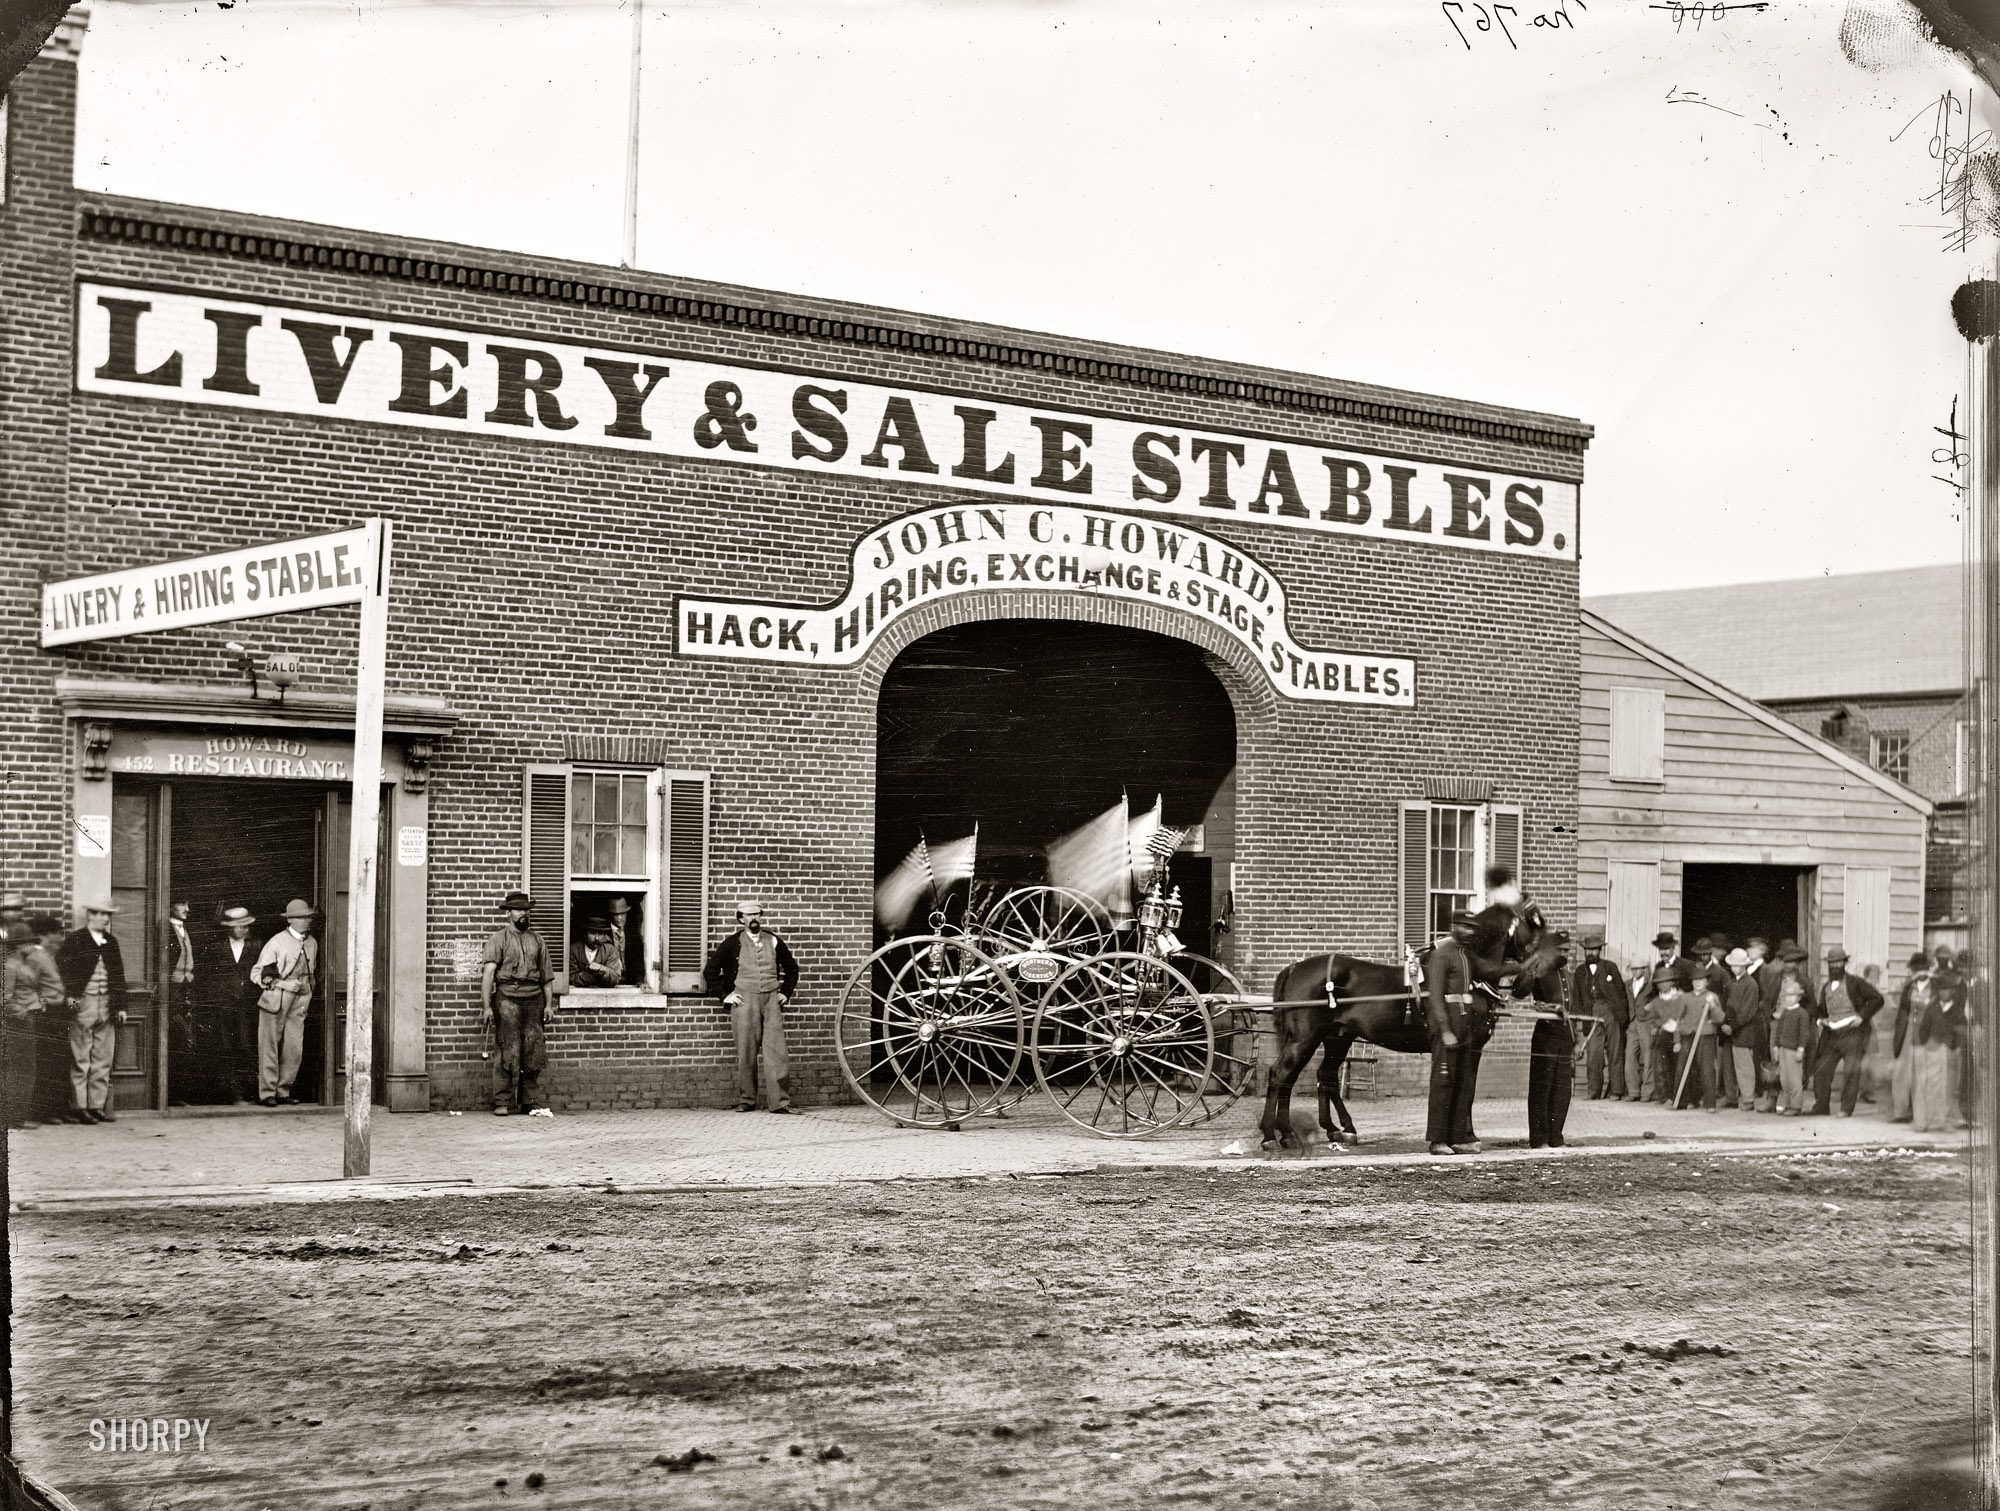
1030, 728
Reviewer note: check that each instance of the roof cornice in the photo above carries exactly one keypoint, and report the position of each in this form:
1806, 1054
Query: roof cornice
108, 218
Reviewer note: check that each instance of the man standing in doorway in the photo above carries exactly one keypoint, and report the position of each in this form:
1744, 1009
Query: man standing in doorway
93, 976
1597, 994
1847, 1006
288, 973
754, 974
1746, 1032
228, 995
518, 990
180, 988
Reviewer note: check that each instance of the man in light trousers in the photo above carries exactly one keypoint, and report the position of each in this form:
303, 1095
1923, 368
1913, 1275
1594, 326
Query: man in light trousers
754, 974
93, 976
288, 973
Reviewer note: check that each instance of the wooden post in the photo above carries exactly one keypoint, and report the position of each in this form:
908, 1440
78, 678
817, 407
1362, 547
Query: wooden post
363, 853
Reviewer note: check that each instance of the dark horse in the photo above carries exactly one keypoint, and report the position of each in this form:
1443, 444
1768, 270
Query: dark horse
1372, 1001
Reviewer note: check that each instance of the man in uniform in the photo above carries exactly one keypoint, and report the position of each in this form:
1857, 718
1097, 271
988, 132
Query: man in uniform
517, 989
1597, 994
1459, 1026
93, 977
754, 974
1551, 1060
287, 971
227, 992
1845, 1007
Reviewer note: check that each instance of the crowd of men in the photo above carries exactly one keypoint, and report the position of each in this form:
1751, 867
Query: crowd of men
236, 1009
1750, 1027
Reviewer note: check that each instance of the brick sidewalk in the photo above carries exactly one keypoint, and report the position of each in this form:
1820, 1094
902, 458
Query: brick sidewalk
295, 1155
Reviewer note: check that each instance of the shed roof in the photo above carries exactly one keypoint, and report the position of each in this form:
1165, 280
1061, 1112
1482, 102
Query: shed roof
1860, 635
1915, 800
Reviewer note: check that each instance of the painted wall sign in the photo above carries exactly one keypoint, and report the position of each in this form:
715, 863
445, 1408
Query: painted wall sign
247, 584
147, 343
274, 757
945, 552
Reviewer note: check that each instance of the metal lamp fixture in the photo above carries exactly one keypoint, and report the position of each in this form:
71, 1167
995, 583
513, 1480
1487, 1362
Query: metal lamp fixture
281, 671
1152, 910
1173, 909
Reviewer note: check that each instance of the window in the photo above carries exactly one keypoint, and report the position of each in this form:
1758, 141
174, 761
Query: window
617, 862
1446, 848
1638, 734
1889, 753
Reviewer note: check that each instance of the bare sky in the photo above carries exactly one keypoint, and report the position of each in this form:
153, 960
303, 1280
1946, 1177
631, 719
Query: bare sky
1698, 235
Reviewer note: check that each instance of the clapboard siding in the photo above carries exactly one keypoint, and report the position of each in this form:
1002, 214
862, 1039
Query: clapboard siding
1734, 790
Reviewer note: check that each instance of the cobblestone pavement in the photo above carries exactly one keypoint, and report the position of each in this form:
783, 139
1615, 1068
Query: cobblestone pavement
295, 1155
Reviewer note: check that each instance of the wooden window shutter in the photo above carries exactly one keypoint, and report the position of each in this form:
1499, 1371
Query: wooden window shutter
1503, 842
686, 879
545, 862
1638, 734
1415, 875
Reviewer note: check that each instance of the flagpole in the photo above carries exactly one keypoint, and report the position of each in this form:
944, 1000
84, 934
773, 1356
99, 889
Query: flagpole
631, 254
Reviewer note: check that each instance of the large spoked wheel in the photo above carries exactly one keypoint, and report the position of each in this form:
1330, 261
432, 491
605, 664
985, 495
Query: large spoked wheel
1235, 1029
929, 1031
1123, 1045
1047, 919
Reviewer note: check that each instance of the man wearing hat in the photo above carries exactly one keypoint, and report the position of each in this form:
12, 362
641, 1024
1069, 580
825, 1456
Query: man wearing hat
1746, 1033
1459, 1026
517, 989
287, 975
754, 974
1845, 1006
1903, 1072
93, 977
1597, 995
598, 958
228, 994
29, 987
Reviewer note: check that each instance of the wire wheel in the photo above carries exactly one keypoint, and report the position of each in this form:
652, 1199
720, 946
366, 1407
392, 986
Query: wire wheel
1051, 919
1235, 1029
929, 1031
1123, 1045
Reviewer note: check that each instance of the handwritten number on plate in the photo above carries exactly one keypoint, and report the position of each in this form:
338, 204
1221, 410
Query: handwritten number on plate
1449, 7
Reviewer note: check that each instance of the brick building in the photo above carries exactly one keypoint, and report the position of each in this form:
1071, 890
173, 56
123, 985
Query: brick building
703, 592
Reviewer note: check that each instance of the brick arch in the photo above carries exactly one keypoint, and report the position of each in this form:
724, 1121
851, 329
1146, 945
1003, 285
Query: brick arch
1251, 696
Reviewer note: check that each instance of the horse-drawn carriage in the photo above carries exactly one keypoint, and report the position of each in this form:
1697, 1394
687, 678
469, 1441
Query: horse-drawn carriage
1032, 989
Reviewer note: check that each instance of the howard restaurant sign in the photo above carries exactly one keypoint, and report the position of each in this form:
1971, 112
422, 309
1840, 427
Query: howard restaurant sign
941, 553
191, 348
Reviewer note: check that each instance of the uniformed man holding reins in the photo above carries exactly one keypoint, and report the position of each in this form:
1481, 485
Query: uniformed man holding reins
1461, 1021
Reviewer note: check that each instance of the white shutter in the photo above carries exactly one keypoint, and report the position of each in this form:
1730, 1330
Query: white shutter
1632, 911
1638, 734
1414, 913
684, 879
545, 861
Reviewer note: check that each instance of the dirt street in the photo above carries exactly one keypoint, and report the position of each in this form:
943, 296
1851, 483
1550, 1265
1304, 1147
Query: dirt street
1641, 1332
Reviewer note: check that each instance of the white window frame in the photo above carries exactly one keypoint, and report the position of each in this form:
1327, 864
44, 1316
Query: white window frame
1483, 815
646, 883
1875, 753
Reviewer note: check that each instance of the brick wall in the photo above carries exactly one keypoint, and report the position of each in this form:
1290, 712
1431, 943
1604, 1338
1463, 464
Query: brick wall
533, 587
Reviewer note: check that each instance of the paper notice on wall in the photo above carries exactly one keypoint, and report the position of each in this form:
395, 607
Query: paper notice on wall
468, 958
410, 845
93, 836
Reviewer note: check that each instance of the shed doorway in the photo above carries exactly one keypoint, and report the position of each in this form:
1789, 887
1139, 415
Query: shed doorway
1772, 902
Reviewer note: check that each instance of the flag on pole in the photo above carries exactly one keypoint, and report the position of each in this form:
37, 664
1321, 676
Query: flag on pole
1096, 860
923, 876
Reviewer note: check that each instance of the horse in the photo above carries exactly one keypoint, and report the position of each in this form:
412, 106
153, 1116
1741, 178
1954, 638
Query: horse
1373, 1001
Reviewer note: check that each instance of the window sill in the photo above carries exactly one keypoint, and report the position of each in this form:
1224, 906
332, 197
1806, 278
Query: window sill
613, 996
1637, 781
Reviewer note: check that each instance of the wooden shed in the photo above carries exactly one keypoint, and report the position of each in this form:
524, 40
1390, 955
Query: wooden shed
1701, 812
